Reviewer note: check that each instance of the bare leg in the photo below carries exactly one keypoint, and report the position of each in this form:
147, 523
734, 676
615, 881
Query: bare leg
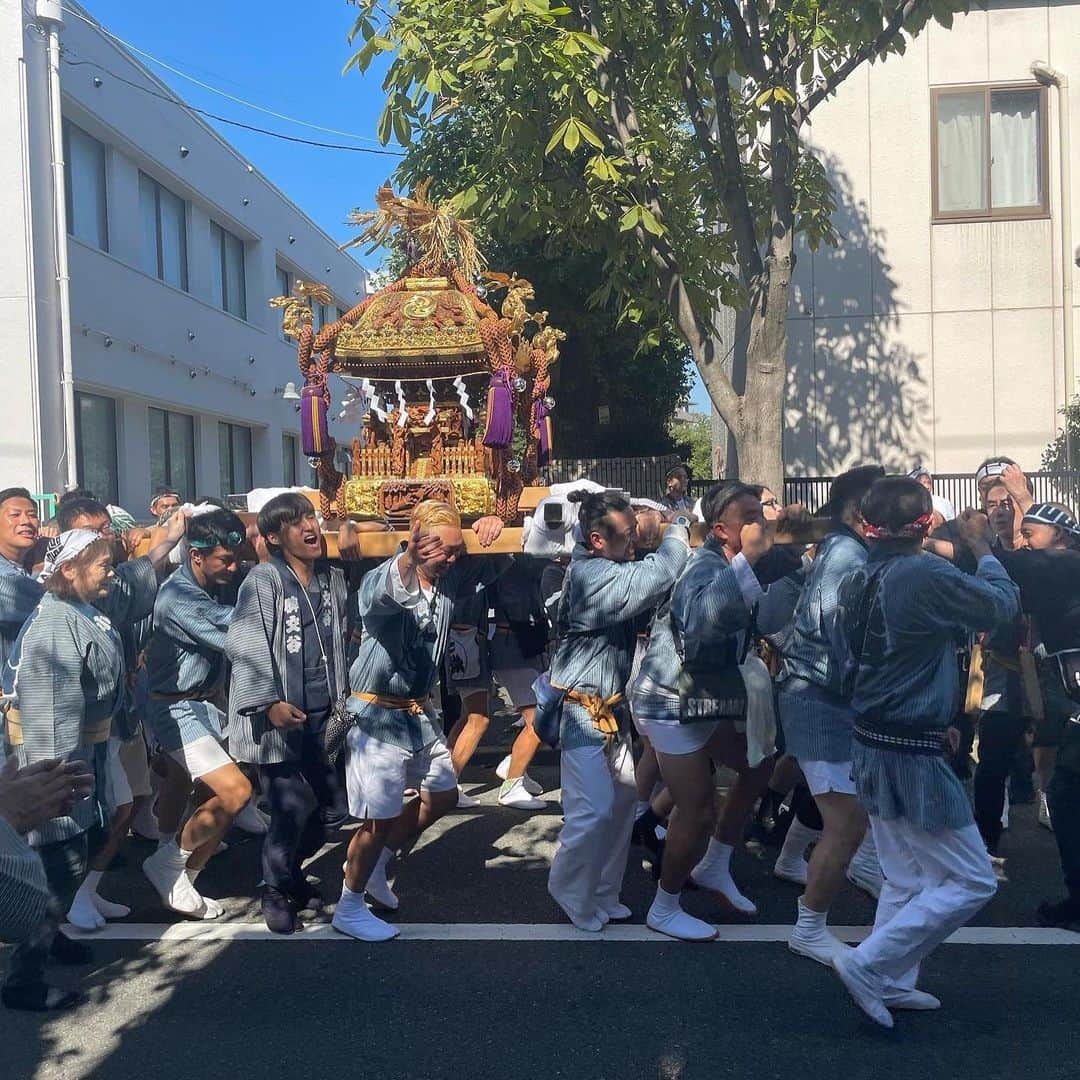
525, 746
466, 734
689, 781
729, 748
845, 825
230, 791
646, 771
118, 829
172, 797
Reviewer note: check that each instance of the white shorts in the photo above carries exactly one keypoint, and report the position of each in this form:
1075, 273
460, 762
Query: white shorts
118, 791
201, 756
518, 683
378, 773
667, 738
823, 777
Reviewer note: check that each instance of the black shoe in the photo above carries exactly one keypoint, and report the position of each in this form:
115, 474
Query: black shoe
65, 951
644, 835
37, 997
305, 897
278, 912
1065, 914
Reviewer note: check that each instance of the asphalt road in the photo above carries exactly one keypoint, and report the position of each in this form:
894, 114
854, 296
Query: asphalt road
540, 1001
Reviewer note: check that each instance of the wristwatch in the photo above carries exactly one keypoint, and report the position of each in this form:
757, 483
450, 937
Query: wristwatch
682, 520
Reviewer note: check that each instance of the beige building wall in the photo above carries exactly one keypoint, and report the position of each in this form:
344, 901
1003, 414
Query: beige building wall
915, 341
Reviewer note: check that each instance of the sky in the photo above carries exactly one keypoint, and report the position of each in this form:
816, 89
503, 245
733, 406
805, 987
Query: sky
286, 57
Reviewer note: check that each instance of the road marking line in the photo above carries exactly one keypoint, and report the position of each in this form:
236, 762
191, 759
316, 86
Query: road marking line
246, 931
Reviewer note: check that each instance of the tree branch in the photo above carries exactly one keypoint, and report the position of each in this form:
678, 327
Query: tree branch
892, 29
749, 50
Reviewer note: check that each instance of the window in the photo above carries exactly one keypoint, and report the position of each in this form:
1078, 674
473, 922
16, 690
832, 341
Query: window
990, 150
172, 451
284, 284
290, 451
322, 314
84, 187
163, 215
230, 290
234, 447
95, 445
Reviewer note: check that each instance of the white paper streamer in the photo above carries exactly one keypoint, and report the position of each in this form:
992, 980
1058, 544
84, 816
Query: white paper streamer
403, 416
430, 414
374, 398
463, 396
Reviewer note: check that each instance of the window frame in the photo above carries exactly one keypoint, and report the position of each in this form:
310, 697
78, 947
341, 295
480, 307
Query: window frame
221, 240
113, 495
69, 185
168, 415
185, 275
230, 429
290, 447
991, 213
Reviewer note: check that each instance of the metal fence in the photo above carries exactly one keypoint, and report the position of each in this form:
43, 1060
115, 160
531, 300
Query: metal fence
958, 488
641, 476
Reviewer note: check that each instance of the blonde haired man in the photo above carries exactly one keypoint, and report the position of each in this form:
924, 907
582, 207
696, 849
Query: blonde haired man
397, 744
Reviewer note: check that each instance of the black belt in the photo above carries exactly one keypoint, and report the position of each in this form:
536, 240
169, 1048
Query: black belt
903, 738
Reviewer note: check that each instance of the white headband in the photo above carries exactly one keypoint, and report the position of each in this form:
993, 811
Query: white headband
65, 547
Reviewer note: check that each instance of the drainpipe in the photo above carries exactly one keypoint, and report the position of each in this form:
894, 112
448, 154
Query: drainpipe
50, 13
1048, 76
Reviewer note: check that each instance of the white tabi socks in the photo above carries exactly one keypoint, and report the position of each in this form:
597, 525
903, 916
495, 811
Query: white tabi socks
666, 916
714, 873
791, 864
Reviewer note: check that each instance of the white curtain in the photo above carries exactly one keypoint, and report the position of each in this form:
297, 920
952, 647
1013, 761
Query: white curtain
961, 151
1014, 145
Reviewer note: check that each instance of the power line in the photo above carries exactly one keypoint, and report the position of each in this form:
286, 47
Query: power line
225, 120
213, 89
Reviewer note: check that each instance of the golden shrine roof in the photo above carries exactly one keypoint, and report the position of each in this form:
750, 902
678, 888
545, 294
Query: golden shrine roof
424, 320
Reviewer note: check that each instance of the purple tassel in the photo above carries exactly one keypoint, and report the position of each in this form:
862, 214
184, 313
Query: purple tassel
542, 420
314, 430
500, 412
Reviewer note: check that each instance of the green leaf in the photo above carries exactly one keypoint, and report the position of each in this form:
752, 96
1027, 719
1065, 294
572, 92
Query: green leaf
649, 222
402, 128
386, 123
631, 219
572, 135
557, 137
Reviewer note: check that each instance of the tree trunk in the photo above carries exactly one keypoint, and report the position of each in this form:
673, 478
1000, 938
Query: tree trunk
759, 426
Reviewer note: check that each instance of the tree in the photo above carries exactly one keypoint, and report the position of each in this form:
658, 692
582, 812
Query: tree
1062, 456
693, 438
638, 371
665, 134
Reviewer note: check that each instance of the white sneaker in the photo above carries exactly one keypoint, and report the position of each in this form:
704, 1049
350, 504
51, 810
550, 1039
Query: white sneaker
502, 771
83, 914
352, 917
822, 947
680, 925
515, 793
466, 802
1043, 815
860, 989
251, 820
167, 872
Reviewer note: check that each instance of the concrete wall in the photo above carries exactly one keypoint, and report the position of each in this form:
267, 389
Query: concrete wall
918, 341
159, 334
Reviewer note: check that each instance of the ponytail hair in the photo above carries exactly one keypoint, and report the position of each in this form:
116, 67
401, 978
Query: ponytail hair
596, 508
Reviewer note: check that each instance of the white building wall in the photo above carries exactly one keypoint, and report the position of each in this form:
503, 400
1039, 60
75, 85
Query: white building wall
915, 341
169, 348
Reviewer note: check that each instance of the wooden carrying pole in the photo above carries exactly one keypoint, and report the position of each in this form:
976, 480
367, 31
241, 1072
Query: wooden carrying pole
381, 545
